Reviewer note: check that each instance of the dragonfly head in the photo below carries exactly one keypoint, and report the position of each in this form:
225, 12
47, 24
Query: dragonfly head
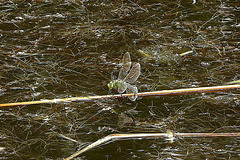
111, 85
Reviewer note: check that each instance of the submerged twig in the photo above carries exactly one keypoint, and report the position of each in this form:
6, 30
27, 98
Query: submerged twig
185, 53
142, 94
114, 137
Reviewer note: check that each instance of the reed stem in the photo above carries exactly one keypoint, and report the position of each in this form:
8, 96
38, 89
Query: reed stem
142, 94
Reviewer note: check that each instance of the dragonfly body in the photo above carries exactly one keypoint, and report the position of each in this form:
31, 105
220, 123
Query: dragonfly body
115, 84
125, 79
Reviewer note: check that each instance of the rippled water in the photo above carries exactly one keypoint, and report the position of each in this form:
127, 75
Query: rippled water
59, 49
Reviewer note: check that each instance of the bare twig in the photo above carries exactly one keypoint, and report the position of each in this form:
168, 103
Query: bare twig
142, 94
115, 137
185, 53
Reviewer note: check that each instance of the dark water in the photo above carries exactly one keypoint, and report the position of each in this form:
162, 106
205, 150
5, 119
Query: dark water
59, 49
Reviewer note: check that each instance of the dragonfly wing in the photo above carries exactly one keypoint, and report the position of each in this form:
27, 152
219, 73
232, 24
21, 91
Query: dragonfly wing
122, 86
132, 89
126, 64
133, 74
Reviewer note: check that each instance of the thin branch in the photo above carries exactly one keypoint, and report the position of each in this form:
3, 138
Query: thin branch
115, 137
142, 94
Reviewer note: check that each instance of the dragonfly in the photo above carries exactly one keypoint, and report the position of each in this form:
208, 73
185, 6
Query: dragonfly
126, 78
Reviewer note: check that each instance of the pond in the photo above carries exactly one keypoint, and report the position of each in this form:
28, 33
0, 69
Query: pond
69, 48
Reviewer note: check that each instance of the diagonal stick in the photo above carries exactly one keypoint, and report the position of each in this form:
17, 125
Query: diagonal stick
142, 94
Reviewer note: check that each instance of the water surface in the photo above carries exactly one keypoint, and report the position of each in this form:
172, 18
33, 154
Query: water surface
59, 49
